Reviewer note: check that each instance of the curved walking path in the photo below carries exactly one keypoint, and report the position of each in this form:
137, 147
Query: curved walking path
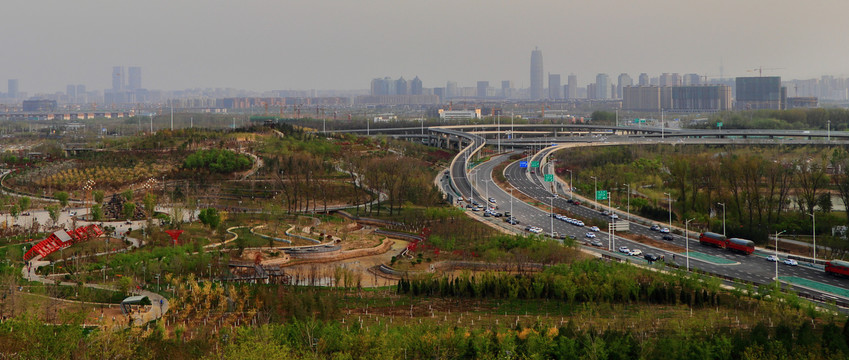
159, 304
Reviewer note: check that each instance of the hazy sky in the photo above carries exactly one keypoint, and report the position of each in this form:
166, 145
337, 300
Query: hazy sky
343, 44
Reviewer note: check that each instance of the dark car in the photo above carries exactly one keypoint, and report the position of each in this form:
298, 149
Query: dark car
651, 257
668, 237
511, 220
654, 228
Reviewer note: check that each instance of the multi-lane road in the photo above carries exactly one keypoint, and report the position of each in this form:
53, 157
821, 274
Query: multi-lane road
752, 268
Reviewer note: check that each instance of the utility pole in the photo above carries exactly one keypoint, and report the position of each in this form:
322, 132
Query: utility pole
776, 253
669, 200
687, 240
629, 201
723, 218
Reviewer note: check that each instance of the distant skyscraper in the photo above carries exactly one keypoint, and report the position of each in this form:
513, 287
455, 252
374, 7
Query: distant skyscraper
482, 88
537, 84
117, 78
401, 86
13, 88
416, 86
573, 87
692, 79
763, 92
644, 79
451, 89
80, 91
602, 86
666, 80
71, 92
554, 86
506, 89
135, 82
623, 81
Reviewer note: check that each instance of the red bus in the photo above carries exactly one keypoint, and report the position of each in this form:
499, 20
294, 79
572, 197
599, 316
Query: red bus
742, 245
709, 238
837, 267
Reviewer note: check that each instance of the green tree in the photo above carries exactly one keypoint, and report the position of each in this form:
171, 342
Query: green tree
128, 195
96, 212
24, 203
210, 217
54, 212
62, 197
149, 204
129, 210
98, 196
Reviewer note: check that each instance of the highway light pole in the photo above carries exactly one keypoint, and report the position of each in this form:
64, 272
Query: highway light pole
814, 233
829, 130
669, 201
629, 201
595, 190
661, 124
687, 240
551, 214
498, 133
776, 253
723, 218
571, 196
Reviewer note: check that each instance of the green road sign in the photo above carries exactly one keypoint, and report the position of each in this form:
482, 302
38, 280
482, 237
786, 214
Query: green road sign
534, 164
719, 124
549, 177
601, 195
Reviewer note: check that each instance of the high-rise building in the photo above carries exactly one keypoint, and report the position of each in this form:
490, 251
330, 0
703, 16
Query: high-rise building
506, 89
592, 93
13, 89
71, 92
697, 98
763, 92
416, 86
135, 79
401, 86
644, 79
483, 86
602, 86
117, 78
554, 87
573, 87
451, 89
623, 81
692, 79
537, 85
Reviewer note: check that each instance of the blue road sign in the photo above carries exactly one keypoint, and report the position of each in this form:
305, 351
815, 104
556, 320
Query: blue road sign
523, 164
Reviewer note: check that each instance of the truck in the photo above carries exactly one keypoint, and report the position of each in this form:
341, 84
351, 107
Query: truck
709, 238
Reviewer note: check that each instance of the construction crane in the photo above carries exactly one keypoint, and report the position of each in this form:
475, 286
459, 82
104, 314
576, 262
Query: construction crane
760, 70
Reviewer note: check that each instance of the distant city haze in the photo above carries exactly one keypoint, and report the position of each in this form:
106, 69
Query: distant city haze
343, 44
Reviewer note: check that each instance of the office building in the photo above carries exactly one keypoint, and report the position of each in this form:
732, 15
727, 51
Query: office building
591, 91
117, 78
39, 105
135, 79
536, 75
764, 92
554, 87
416, 86
667, 79
644, 79
12, 89
71, 92
602, 87
572, 86
451, 89
483, 86
623, 81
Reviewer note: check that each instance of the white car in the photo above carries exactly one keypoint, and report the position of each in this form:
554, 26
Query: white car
772, 258
579, 223
595, 228
635, 252
590, 235
624, 249
614, 216
664, 231
492, 200
791, 262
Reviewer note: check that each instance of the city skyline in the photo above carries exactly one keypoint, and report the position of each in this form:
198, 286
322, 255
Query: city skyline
269, 45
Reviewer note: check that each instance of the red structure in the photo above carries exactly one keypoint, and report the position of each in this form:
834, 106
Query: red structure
713, 239
742, 245
62, 239
175, 234
837, 267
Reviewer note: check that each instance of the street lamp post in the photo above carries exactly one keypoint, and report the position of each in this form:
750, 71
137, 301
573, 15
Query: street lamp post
595, 190
723, 218
570, 185
669, 201
629, 201
813, 215
551, 214
687, 240
776, 253
829, 130
511, 201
